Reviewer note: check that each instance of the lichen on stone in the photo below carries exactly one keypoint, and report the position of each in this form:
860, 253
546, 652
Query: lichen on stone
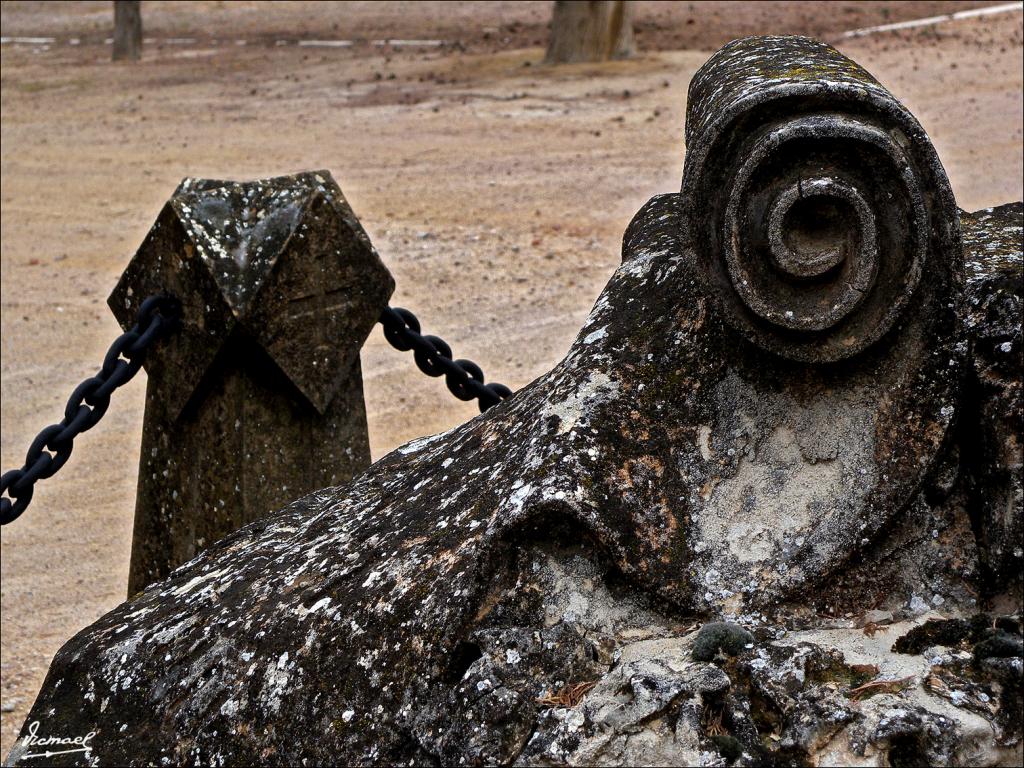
527, 588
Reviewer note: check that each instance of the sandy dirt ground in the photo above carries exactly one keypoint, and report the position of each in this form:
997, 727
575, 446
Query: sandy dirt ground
495, 189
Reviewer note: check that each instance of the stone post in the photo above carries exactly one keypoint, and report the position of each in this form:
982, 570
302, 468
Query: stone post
258, 398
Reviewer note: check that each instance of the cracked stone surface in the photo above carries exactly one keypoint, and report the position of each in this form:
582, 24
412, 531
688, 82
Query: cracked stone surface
527, 588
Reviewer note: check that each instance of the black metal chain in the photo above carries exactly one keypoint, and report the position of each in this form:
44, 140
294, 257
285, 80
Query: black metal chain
157, 317
433, 356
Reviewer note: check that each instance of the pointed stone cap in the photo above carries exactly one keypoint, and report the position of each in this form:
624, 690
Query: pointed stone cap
283, 260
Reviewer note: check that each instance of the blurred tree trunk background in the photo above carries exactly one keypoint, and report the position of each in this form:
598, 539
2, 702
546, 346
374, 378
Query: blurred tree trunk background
582, 30
127, 30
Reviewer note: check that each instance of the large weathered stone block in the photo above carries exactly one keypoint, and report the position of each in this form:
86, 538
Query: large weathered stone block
995, 303
526, 587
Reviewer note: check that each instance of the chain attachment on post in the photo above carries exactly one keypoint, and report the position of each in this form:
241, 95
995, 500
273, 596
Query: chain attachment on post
433, 356
157, 317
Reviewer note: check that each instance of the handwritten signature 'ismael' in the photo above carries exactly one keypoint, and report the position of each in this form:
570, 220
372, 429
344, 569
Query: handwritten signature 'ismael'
70, 744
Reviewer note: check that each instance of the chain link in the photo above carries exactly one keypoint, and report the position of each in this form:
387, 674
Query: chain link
433, 356
157, 317
52, 447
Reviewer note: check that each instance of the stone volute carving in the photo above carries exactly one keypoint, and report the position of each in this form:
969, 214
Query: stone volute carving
762, 422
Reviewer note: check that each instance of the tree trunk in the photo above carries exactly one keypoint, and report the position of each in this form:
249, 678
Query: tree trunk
127, 30
584, 30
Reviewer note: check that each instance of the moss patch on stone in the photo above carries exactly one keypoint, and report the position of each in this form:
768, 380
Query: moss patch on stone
720, 636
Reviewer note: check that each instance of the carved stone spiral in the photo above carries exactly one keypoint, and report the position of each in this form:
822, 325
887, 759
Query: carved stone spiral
811, 198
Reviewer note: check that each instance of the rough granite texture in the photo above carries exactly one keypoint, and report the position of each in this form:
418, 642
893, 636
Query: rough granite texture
527, 588
993, 245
